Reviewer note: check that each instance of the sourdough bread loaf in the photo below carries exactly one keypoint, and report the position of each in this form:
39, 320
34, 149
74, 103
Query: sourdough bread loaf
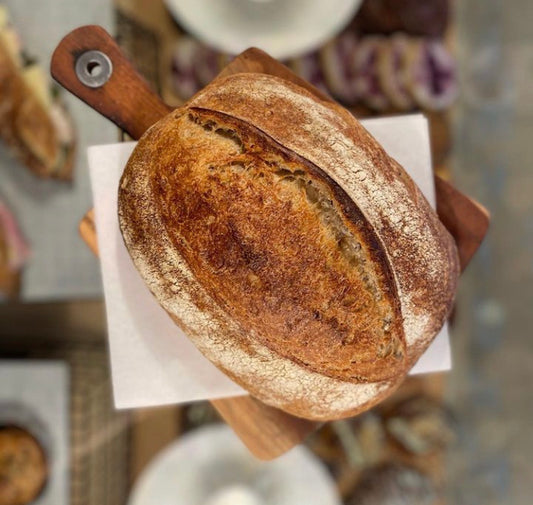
296, 254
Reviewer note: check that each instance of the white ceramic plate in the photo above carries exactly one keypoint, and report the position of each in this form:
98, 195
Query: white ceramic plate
282, 28
211, 466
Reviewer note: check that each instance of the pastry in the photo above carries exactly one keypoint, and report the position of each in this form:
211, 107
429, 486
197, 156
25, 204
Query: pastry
393, 71
23, 468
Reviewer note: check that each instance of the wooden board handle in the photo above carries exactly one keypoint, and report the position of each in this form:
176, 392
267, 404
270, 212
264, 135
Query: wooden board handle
125, 98
266, 431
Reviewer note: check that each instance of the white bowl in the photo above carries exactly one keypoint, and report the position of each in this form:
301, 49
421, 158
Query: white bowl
282, 28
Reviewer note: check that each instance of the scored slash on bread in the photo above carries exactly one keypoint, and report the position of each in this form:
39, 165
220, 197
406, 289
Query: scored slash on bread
33, 121
298, 257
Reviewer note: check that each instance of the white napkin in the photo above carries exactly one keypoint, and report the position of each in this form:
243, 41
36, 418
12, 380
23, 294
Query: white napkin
152, 360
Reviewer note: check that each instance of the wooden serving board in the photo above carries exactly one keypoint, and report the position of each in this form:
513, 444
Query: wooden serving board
128, 101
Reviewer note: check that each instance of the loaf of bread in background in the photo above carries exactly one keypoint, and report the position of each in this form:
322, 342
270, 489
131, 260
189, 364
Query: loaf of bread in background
296, 254
33, 121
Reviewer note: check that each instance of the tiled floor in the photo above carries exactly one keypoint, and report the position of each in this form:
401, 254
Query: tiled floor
491, 387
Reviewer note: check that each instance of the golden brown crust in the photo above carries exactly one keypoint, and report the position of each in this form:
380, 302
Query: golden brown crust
26, 126
243, 262
307, 281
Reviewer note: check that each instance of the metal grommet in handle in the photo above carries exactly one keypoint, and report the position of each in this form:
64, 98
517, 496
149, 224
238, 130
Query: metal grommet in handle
94, 68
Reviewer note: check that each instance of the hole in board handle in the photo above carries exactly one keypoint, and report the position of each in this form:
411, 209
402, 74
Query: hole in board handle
93, 68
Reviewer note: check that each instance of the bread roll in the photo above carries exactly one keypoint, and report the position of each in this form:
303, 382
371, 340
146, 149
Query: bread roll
295, 253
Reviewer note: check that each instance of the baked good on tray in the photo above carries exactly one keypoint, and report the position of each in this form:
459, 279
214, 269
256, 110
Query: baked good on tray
23, 467
34, 123
296, 254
